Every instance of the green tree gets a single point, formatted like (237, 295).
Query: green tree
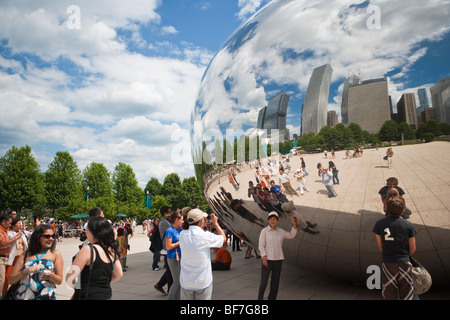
(125, 185)
(21, 182)
(62, 181)
(154, 187)
(356, 132)
(445, 128)
(97, 177)
(406, 130)
(173, 192)
(330, 138)
(389, 131)
(193, 194)
(158, 201)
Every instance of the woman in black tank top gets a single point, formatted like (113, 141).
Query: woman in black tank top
(96, 279)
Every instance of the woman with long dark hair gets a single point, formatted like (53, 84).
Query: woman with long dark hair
(40, 268)
(106, 267)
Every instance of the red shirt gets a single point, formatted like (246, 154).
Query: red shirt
(223, 256)
(4, 250)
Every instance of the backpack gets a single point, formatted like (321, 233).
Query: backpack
(156, 242)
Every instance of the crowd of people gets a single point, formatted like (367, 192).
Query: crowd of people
(31, 267)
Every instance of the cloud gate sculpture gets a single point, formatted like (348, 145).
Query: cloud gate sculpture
(284, 73)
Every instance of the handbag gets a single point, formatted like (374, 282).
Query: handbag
(421, 277)
(385, 157)
(10, 294)
(77, 293)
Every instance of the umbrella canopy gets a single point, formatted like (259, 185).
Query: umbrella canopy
(121, 215)
(80, 216)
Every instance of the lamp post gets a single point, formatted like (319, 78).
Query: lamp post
(148, 200)
(86, 195)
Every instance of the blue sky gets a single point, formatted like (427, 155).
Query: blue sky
(116, 88)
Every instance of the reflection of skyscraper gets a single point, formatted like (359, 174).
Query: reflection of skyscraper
(423, 102)
(314, 113)
(261, 115)
(351, 81)
(423, 98)
(406, 109)
(332, 118)
(368, 104)
(274, 115)
(440, 96)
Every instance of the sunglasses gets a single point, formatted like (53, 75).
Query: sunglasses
(48, 236)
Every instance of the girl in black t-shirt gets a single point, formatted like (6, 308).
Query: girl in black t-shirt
(396, 241)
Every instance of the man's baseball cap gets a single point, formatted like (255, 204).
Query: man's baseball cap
(195, 215)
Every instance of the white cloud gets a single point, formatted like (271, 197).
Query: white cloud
(169, 30)
(84, 90)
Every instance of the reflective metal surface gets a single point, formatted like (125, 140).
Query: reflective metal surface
(277, 76)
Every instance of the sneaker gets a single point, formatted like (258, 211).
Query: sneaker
(156, 269)
(161, 289)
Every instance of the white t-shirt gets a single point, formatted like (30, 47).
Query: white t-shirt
(195, 245)
(327, 180)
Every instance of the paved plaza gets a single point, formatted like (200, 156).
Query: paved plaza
(422, 171)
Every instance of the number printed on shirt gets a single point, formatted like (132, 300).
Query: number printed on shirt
(387, 236)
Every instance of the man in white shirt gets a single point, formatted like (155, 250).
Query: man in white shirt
(284, 180)
(327, 179)
(271, 249)
(195, 244)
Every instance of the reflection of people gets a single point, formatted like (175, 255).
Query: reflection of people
(327, 179)
(332, 168)
(396, 241)
(392, 182)
(300, 175)
(195, 243)
(270, 246)
(237, 206)
(304, 224)
(286, 182)
(389, 155)
(223, 259)
(276, 189)
(253, 191)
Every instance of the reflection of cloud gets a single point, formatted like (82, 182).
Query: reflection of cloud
(282, 44)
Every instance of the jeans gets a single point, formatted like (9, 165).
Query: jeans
(335, 177)
(156, 256)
